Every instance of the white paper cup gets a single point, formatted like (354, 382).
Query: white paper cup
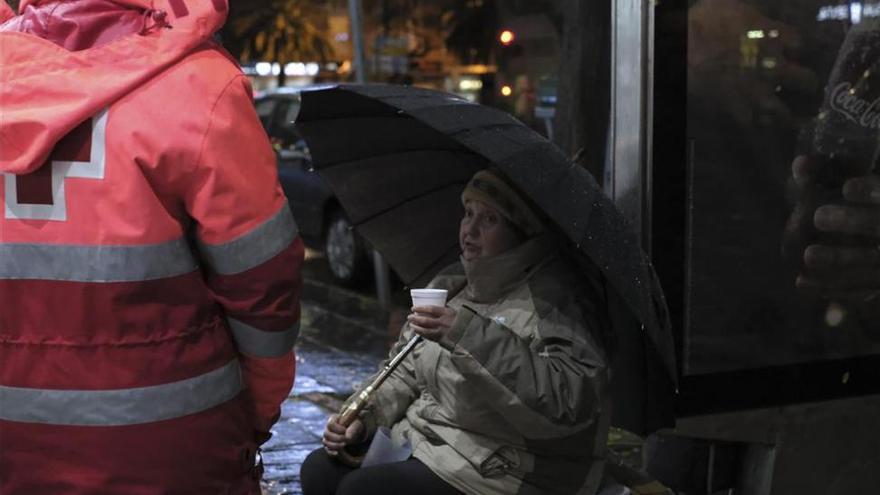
(428, 297)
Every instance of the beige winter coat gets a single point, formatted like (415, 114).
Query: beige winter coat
(511, 401)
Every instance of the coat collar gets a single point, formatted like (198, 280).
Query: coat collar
(491, 278)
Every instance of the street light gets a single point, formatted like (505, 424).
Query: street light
(506, 37)
(506, 90)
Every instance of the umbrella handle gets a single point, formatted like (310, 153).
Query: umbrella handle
(349, 412)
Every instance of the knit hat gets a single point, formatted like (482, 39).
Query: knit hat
(488, 187)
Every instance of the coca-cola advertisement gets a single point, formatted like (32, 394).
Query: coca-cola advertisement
(783, 229)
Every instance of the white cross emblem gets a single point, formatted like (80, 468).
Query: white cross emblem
(92, 169)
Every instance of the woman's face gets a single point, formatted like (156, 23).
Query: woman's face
(484, 232)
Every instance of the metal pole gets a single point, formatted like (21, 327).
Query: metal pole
(357, 36)
(380, 267)
(383, 280)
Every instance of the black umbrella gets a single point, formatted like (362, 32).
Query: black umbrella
(398, 158)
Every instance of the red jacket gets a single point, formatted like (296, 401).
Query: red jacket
(149, 264)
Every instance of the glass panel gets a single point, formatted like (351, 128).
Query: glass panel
(783, 268)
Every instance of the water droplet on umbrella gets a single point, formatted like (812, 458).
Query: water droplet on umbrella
(835, 314)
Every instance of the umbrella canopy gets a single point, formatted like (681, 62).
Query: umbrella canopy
(398, 158)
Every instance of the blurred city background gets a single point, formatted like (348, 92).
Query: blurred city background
(501, 53)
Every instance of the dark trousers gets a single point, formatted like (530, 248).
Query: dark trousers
(323, 475)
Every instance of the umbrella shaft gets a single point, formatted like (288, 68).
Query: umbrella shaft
(357, 402)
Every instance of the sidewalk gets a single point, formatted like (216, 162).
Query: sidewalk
(343, 338)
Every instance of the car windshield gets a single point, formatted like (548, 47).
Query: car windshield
(264, 108)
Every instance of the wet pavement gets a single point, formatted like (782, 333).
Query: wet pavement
(344, 336)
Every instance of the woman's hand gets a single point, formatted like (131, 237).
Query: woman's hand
(431, 322)
(336, 436)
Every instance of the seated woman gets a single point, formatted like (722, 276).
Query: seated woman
(507, 392)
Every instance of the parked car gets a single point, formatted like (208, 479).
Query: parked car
(321, 220)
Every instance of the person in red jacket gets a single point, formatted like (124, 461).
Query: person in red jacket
(149, 263)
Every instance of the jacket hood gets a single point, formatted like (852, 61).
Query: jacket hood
(6, 12)
(46, 90)
(175, 6)
(144, 4)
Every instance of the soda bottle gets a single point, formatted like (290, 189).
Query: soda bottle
(846, 130)
(842, 142)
